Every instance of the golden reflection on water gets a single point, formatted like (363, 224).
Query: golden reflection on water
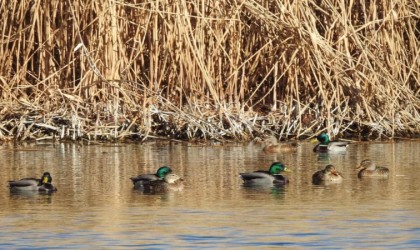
(96, 206)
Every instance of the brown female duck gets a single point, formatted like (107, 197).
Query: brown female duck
(328, 175)
(368, 168)
(273, 146)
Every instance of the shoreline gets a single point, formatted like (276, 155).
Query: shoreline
(64, 131)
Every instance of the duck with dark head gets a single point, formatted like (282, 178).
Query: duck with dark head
(171, 182)
(140, 180)
(263, 177)
(325, 145)
(44, 184)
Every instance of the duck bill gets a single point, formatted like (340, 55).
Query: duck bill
(45, 179)
(287, 170)
(314, 140)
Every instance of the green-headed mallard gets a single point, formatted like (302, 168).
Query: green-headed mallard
(325, 145)
(171, 182)
(270, 177)
(368, 168)
(328, 175)
(272, 146)
(33, 184)
(142, 179)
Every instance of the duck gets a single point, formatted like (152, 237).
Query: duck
(328, 175)
(140, 180)
(368, 168)
(272, 146)
(171, 182)
(270, 177)
(325, 145)
(34, 184)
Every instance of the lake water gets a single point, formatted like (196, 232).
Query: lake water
(95, 206)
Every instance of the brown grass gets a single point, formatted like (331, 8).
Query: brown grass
(223, 70)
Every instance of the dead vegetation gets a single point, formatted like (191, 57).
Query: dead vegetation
(222, 70)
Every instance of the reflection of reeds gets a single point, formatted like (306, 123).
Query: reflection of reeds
(210, 69)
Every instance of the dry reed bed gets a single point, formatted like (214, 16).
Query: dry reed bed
(224, 70)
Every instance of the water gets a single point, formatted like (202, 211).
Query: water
(96, 207)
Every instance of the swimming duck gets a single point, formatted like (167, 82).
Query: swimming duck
(270, 177)
(328, 175)
(368, 168)
(171, 182)
(272, 146)
(325, 145)
(33, 184)
(140, 180)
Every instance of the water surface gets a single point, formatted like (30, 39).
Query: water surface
(96, 207)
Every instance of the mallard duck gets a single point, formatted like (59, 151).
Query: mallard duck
(328, 175)
(171, 182)
(368, 168)
(270, 177)
(33, 184)
(272, 146)
(325, 145)
(140, 180)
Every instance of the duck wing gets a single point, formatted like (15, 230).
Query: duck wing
(339, 143)
(255, 175)
(338, 146)
(156, 186)
(25, 182)
(144, 178)
(382, 170)
(318, 177)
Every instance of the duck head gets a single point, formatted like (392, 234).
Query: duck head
(323, 138)
(163, 171)
(367, 164)
(277, 168)
(330, 169)
(271, 140)
(46, 178)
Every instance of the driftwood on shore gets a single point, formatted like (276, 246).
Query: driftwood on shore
(222, 70)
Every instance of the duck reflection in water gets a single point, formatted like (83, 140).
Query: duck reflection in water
(260, 192)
